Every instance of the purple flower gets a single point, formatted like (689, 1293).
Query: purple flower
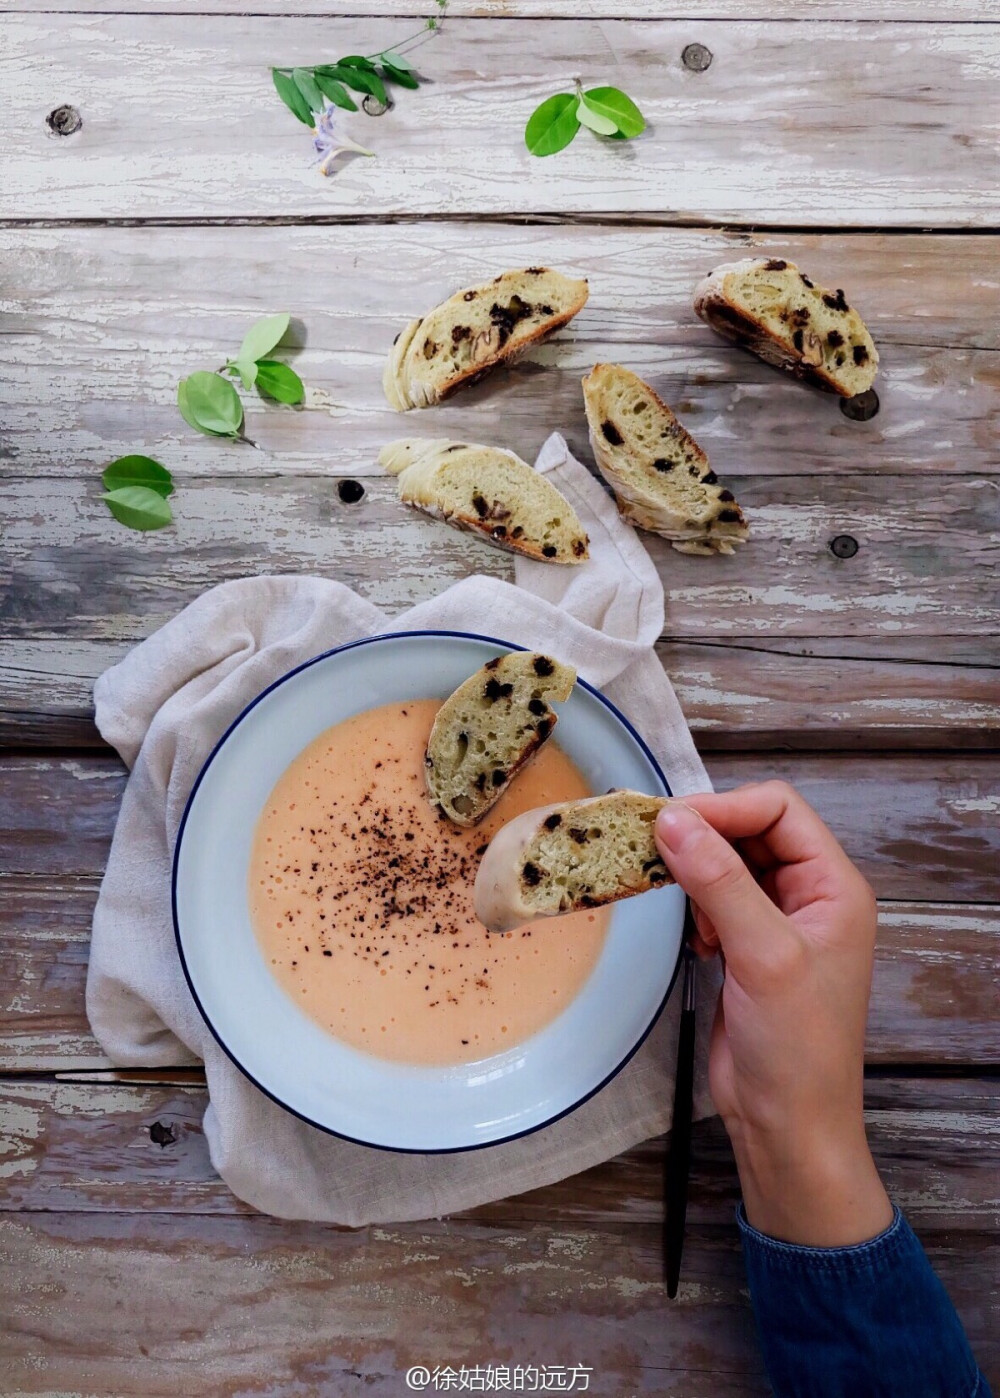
(329, 142)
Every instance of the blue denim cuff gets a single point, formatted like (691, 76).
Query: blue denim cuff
(878, 1254)
(867, 1321)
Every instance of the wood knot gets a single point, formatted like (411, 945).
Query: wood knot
(350, 492)
(696, 57)
(844, 546)
(373, 106)
(862, 407)
(161, 1134)
(63, 121)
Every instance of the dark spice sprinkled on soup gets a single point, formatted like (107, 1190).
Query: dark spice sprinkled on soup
(361, 898)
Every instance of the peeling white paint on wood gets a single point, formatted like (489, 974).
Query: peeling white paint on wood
(962, 805)
(179, 120)
(731, 695)
(99, 323)
(912, 10)
(218, 1302)
(98, 335)
(74, 571)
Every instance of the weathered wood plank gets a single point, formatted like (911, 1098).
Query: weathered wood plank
(98, 333)
(916, 11)
(44, 949)
(921, 829)
(71, 570)
(214, 140)
(220, 1306)
(755, 697)
(934, 998)
(918, 828)
(124, 1148)
(737, 697)
(936, 968)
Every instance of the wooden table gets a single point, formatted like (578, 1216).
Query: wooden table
(858, 139)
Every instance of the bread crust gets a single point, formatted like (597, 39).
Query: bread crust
(390, 375)
(646, 508)
(715, 307)
(406, 387)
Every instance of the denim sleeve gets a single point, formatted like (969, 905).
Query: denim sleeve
(870, 1321)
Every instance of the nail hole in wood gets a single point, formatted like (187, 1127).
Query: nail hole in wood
(161, 1134)
(373, 106)
(63, 121)
(696, 57)
(844, 546)
(350, 492)
(862, 407)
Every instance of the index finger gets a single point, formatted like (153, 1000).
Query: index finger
(774, 823)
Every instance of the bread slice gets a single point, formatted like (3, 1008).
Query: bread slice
(578, 854)
(476, 329)
(659, 474)
(490, 491)
(767, 305)
(489, 728)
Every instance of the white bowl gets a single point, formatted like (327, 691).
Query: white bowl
(285, 1053)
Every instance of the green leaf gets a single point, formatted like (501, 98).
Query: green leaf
(280, 382)
(403, 76)
(138, 470)
(553, 125)
(246, 369)
(182, 405)
(306, 84)
(357, 60)
(610, 102)
(210, 404)
(397, 60)
(363, 81)
(139, 507)
(596, 121)
(336, 91)
(262, 337)
(292, 97)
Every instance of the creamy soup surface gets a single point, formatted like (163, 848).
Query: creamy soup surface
(361, 899)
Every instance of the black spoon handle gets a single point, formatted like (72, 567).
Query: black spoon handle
(678, 1162)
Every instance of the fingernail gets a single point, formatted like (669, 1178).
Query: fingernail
(675, 825)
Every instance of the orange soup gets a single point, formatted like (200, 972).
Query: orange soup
(361, 899)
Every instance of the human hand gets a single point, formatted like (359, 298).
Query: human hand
(795, 924)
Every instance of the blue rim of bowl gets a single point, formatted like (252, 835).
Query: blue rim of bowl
(320, 1126)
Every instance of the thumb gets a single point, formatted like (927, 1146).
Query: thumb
(714, 877)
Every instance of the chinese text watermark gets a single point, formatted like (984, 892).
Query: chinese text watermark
(500, 1378)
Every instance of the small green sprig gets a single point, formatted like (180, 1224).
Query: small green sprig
(306, 91)
(607, 111)
(136, 490)
(253, 367)
(210, 403)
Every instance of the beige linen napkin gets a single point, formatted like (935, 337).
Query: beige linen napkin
(165, 706)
